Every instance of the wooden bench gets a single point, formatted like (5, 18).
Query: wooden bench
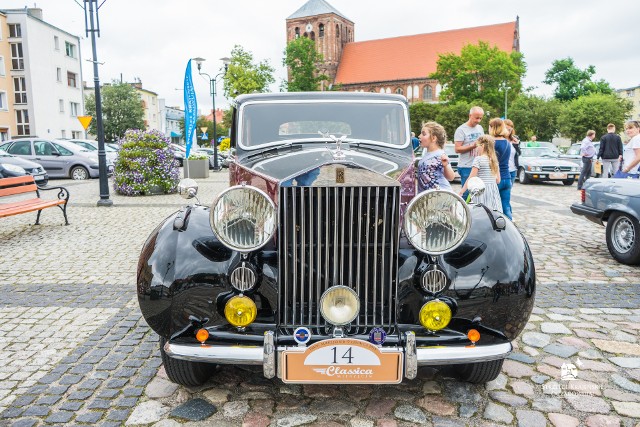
(26, 184)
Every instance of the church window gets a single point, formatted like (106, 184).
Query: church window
(297, 32)
(399, 91)
(427, 93)
(312, 35)
(409, 92)
(337, 31)
(321, 30)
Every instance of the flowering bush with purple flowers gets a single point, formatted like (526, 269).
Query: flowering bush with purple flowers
(145, 164)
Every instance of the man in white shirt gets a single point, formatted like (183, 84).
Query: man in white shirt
(465, 142)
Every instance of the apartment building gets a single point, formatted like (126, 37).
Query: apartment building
(632, 94)
(45, 75)
(150, 105)
(7, 116)
(170, 118)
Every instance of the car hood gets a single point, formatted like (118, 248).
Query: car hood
(544, 161)
(287, 166)
(23, 163)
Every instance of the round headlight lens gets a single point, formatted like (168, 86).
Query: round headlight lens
(243, 218)
(339, 305)
(435, 315)
(437, 221)
(240, 311)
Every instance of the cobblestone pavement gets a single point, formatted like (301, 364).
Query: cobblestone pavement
(75, 350)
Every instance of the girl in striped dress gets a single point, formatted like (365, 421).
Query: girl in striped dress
(485, 166)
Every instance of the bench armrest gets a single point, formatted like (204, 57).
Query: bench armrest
(63, 193)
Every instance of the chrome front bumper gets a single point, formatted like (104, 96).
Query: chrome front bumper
(265, 355)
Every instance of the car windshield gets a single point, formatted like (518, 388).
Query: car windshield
(269, 123)
(538, 152)
(4, 154)
(574, 149)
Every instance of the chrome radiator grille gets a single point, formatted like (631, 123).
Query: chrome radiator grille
(338, 236)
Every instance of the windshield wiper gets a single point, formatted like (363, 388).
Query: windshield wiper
(277, 150)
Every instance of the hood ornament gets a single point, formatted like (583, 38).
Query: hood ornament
(337, 154)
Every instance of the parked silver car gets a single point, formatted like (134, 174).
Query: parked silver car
(616, 202)
(61, 159)
(92, 145)
(573, 155)
(541, 164)
(11, 166)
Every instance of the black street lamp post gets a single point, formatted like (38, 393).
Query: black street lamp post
(212, 88)
(91, 12)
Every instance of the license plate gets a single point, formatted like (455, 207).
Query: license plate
(557, 175)
(38, 178)
(342, 361)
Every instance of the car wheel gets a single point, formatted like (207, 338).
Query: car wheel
(79, 173)
(184, 372)
(568, 181)
(481, 372)
(522, 177)
(623, 238)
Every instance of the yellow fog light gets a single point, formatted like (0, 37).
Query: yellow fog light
(240, 311)
(435, 315)
(339, 305)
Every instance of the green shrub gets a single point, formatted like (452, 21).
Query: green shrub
(197, 156)
(145, 164)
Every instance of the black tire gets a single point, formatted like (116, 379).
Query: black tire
(623, 238)
(184, 372)
(481, 372)
(79, 173)
(522, 177)
(568, 181)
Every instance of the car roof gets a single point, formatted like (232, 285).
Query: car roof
(310, 96)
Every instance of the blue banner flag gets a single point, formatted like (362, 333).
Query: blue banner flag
(190, 108)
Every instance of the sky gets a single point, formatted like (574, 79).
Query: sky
(153, 39)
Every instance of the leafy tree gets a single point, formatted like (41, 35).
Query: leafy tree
(593, 111)
(243, 76)
(572, 82)
(301, 59)
(421, 112)
(121, 110)
(453, 115)
(202, 122)
(534, 115)
(478, 73)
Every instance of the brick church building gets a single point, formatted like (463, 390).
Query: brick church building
(392, 65)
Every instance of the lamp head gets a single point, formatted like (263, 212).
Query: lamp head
(226, 61)
(199, 62)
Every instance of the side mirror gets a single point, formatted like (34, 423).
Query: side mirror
(188, 188)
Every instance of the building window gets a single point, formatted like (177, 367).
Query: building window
(63, 133)
(399, 91)
(297, 32)
(59, 74)
(321, 30)
(3, 101)
(312, 35)
(17, 59)
(70, 49)
(20, 90)
(144, 104)
(61, 105)
(76, 134)
(71, 79)
(3, 72)
(337, 31)
(22, 120)
(56, 43)
(427, 93)
(15, 30)
(74, 108)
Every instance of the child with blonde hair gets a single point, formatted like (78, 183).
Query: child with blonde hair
(434, 170)
(485, 166)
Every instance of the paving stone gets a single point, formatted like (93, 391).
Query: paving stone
(147, 412)
(602, 421)
(410, 413)
(547, 404)
(36, 411)
(467, 410)
(554, 328)
(497, 413)
(528, 418)
(194, 410)
(536, 339)
(539, 379)
(293, 420)
(588, 403)
(159, 388)
(498, 384)
(522, 388)
(625, 383)
(562, 420)
(508, 398)
(516, 369)
(25, 422)
(626, 362)
(379, 408)
(71, 405)
(90, 417)
(521, 358)
(235, 409)
(627, 409)
(617, 347)
(621, 396)
(59, 417)
(560, 350)
(332, 407)
(437, 405)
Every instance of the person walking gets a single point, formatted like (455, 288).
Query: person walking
(434, 170)
(610, 151)
(465, 142)
(415, 142)
(485, 166)
(631, 156)
(515, 150)
(587, 151)
(498, 130)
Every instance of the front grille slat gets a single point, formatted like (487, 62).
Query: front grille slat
(338, 236)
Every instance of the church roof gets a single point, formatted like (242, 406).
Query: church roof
(415, 56)
(315, 7)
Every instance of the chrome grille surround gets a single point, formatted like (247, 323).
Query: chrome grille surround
(434, 281)
(332, 236)
(556, 168)
(243, 278)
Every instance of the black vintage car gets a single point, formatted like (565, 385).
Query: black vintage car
(323, 265)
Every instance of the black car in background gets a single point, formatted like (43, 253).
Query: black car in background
(11, 166)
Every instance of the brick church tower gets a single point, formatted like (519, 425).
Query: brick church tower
(330, 30)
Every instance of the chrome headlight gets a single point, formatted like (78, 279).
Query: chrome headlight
(339, 305)
(13, 168)
(243, 218)
(437, 221)
(575, 169)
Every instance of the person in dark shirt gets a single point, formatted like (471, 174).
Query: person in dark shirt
(415, 142)
(610, 151)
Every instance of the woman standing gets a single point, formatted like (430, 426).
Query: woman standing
(498, 130)
(515, 150)
(631, 153)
